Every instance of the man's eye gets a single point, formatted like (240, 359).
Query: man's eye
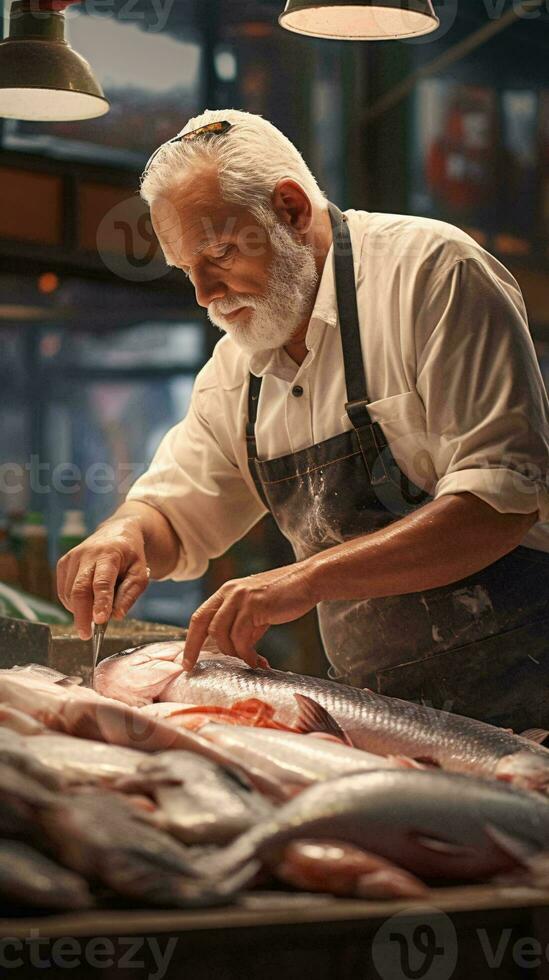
(224, 253)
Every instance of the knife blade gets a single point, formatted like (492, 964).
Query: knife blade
(98, 635)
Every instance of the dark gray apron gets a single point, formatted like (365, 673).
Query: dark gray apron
(478, 646)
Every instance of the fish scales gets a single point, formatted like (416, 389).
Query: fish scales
(441, 824)
(379, 724)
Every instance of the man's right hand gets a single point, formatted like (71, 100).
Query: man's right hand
(87, 576)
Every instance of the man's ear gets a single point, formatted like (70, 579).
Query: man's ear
(292, 205)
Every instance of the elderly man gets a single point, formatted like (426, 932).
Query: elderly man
(377, 391)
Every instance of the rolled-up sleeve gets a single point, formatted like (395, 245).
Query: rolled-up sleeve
(198, 487)
(487, 414)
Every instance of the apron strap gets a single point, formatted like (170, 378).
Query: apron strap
(376, 453)
(353, 361)
(254, 388)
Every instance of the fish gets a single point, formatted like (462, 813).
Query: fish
(196, 799)
(199, 801)
(251, 712)
(20, 722)
(374, 722)
(21, 797)
(102, 837)
(81, 761)
(86, 714)
(137, 675)
(292, 761)
(431, 823)
(14, 752)
(344, 870)
(28, 878)
(41, 672)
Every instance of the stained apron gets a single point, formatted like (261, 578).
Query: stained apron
(478, 646)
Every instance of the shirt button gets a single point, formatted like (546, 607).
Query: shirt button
(297, 391)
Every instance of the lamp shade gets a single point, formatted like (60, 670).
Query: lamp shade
(41, 77)
(363, 20)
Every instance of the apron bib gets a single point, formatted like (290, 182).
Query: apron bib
(439, 645)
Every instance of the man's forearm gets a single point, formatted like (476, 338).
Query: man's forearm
(443, 542)
(161, 541)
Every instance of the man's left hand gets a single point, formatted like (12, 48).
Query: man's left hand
(241, 611)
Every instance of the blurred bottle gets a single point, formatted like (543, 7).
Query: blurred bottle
(73, 531)
(35, 572)
(9, 566)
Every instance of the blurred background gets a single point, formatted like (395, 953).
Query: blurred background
(100, 343)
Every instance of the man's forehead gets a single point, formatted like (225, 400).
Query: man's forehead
(191, 226)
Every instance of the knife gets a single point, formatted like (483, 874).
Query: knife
(98, 635)
(99, 629)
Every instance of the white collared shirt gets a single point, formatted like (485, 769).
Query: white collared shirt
(451, 374)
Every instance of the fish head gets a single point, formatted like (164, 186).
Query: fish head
(137, 676)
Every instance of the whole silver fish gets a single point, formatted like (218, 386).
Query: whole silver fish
(103, 838)
(81, 761)
(21, 798)
(199, 802)
(86, 714)
(378, 724)
(431, 823)
(292, 761)
(29, 878)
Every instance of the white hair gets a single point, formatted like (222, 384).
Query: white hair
(250, 159)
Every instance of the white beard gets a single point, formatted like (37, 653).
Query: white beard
(274, 318)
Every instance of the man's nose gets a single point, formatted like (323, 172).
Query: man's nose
(208, 286)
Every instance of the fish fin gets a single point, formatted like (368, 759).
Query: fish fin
(436, 845)
(510, 846)
(389, 883)
(313, 717)
(539, 735)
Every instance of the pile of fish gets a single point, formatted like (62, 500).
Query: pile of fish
(182, 790)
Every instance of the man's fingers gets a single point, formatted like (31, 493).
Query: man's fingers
(104, 580)
(81, 601)
(61, 576)
(72, 569)
(244, 636)
(220, 628)
(198, 631)
(135, 582)
(232, 630)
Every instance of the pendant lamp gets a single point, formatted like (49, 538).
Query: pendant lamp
(363, 20)
(41, 77)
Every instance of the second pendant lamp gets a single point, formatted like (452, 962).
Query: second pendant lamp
(363, 20)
